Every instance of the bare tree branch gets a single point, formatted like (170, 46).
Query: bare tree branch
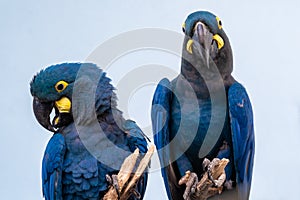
(127, 179)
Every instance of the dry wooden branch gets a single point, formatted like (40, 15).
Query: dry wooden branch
(211, 182)
(141, 168)
(125, 175)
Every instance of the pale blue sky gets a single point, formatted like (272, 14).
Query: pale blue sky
(264, 37)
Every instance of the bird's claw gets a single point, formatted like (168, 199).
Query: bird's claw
(209, 184)
(205, 164)
(210, 165)
(210, 177)
(190, 180)
(113, 181)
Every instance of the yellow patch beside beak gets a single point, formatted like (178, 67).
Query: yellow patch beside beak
(219, 40)
(63, 105)
(189, 46)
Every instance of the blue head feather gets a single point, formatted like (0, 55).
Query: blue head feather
(205, 17)
(42, 85)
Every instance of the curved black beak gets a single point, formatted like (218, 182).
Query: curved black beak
(203, 35)
(204, 38)
(42, 111)
(206, 45)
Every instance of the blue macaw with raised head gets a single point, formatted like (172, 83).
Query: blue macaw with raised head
(204, 113)
(91, 138)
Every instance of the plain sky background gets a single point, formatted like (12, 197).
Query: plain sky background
(265, 40)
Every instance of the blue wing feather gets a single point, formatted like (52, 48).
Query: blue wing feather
(160, 115)
(52, 167)
(136, 139)
(241, 118)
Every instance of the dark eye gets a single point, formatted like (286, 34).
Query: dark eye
(219, 22)
(61, 85)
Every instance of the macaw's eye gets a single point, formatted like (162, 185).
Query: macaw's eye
(219, 22)
(61, 86)
(183, 27)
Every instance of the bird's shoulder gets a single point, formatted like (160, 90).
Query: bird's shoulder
(136, 137)
(239, 101)
(54, 153)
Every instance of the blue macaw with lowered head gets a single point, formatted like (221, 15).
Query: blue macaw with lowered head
(91, 138)
(204, 113)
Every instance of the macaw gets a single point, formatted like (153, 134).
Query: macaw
(204, 112)
(91, 138)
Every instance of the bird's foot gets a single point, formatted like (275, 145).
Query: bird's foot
(211, 182)
(210, 168)
(190, 180)
(113, 181)
(215, 171)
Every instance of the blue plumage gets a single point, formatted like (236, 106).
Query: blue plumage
(241, 119)
(52, 167)
(89, 142)
(204, 112)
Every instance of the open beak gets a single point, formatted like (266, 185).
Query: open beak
(42, 111)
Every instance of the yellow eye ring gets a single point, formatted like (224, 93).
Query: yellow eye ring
(61, 86)
(219, 22)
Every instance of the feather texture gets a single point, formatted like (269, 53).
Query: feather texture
(204, 112)
(97, 140)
